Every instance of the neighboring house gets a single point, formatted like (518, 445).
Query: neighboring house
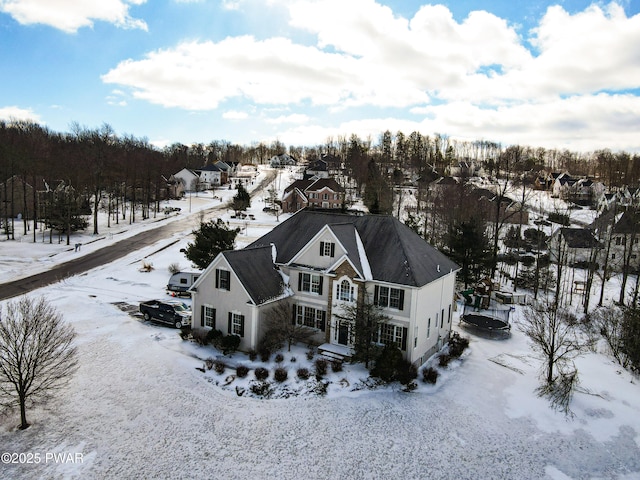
(243, 174)
(225, 171)
(313, 193)
(317, 169)
(585, 192)
(16, 198)
(189, 179)
(572, 246)
(210, 176)
(331, 261)
(282, 160)
(624, 241)
(562, 185)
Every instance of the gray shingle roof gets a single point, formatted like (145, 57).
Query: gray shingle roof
(255, 270)
(395, 253)
(579, 238)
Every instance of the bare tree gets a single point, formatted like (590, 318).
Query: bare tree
(609, 322)
(281, 327)
(557, 339)
(37, 355)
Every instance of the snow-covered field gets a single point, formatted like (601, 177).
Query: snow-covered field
(139, 407)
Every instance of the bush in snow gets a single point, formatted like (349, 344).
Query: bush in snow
(213, 336)
(230, 343)
(293, 359)
(430, 375)
(265, 354)
(242, 371)
(209, 363)
(457, 344)
(321, 367)
(444, 359)
(336, 366)
(219, 366)
(406, 372)
(387, 363)
(199, 335)
(303, 373)
(310, 354)
(279, 358)
(280, 374)
(253, 355)
(261, 373)
(174, 268)
(260, 388)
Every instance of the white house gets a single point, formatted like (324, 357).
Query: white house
(210, 176)
(188, 178)
(322, 262)
(571, 246)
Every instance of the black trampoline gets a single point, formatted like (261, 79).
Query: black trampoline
(488, 319)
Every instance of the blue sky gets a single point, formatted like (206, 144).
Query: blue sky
(562, 74)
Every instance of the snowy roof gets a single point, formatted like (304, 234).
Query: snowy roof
(255, 269)
(394, 252)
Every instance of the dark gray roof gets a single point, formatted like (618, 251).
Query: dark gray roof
(579, 238)
(628, 224)
(255, 270)
(396, 253)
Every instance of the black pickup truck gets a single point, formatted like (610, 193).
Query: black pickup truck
(173, 312)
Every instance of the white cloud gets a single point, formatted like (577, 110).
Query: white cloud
(296, 118)
(235, 115)
(475, 78)
(11, 113)
(71, 15)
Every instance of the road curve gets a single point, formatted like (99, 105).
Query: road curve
(109, 253)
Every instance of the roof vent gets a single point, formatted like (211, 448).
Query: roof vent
(438, 268)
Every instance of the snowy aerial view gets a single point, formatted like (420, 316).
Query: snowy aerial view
(320, 239)
(143, 404)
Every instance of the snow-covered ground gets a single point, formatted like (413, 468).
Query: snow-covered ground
(140, 408)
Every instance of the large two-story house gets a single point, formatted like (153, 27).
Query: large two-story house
(313, 193)
(320, 264)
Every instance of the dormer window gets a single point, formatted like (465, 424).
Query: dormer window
(327, 249)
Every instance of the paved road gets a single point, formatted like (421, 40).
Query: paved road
(109, 253)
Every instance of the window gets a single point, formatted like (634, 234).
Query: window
(310, 317)
(392, 335)
(428, 328)
(183, 281)
(309, 282)
(613, 256)
(345, 291)
(208, 316)
(223, 279)
(327, 249)
(442, 319)
(618, 241)
(325, 196)
(388, 297)
(236, 324)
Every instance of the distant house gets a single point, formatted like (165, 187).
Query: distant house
(321, 263)
(313, 193)
(282, 160)
(317, 169)
(562, 185)
(210, 176)
(225, 171)
(243, 174)
(624, 241)
(572, 246)
(189, 179)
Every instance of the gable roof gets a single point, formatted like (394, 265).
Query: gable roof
(394, 252)
(255, 269)
(627, 224)
(579, 238)
(314, 184)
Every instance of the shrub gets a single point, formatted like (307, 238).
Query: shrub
(303, 373)
(336, 366)
(406, 372)
(293, 359)
(280, 374)
(185, 333)
(457, 344)
(199, 335)
(321, 367)
(230, 343)
(265, 354)
(279, 358)
(253, 355)
(310, 354)
(209, 363)
(444, 359)
(242, 371)
(387, 363)
(174, 268)
(260, 388)
(430, 375)
(219, 366)
(213, 336)
(261, 373)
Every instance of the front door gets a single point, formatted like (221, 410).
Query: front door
(343, 334)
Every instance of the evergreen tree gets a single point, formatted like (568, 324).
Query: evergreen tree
(211, 238)
(469, 247)
(242, 199)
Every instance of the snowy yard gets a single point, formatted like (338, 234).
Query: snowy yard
(139, 407)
